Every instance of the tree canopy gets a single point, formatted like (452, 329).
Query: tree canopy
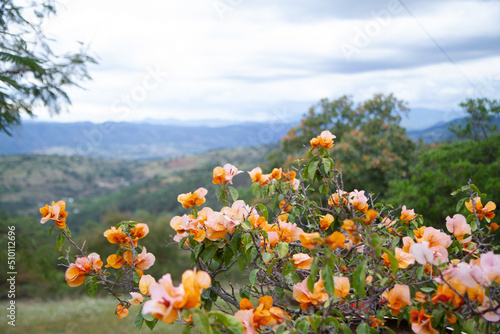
(32, 75)
(370, 145)
(482, 119)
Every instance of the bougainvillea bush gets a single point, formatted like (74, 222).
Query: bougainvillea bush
(341, 264)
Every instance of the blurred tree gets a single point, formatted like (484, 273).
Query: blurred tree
(439, 171)
(371, 147)
(481, 121)
(31, 74)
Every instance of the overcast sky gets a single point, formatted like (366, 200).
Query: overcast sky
(270, 60)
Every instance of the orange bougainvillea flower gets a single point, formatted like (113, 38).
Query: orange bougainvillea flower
(397, 298)
(116, 236)
(76, 272)
(370, 216)
(114, 261)
(376, 322)
(225, 174)
(404, 258)
(121, 311)
(407, 214)
(446, 294)
(142, 262)
(190, 200)
(352, 230)
(256, 174)
(193, 282)
(486, 211)
(219, 175)
(335, 240)
(459, 227)
(325, 139)
(302, 261)
(276, 173)
(145, 282)
(326, 221)
(267, 315)
(137, 299)
(421, 297)
(140, 230)
(55, 213)
(335, 199)
(342, 286)
(494, 226)
(358, 200)
(307, 298)
(421, 322)
(311, 240)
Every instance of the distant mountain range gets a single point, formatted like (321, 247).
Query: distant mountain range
(150, 140)
(136, 141)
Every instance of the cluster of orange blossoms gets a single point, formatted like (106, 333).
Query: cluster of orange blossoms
(264, 315)
(277, 174)
(56, 213)
(167, 300)
(325, 139)
(117, 236)
(486, 211)
(307, 298)
(77, 272)
(190, 200)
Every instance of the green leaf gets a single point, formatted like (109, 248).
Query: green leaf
(263, 210)
(139, 320)
(182, 242)
(358, 280)
(327, 276)
(303, 326)
(230, 323)
(201, 321)
(255, 187)
(91, 286)
(345, 329)
(135, 277)
(392, 259)
(234, 193)
(311, 280)
(267, 257)
(427, 289)
(253, 276)
(60, 241)
(324, 189)
(327, 164)
(209, 252)
(151, 324)
(282, 249)
(420, 272)
(460, 203)
(247, 225)
(218, 192)
(312, 169)
(364, 329)
(51, 228)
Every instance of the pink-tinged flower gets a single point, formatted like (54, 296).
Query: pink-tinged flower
(95, 261)
(246, 318)
(190, 200)
(358, 200)
(302, 261)
(287, 232)
(137, 299)
(307, 298)
(342, 286)
(230, 172)
(404, 258)
(459, 227)
(295, 184)
(421, 322)
(165, 300)
(143, 261)
(423, 254)
(492, 316)
(397, 298)
(325, 139)
(216, 226)
(436, 238)
(469, 275)
(490, 264)
(407, 242)
(237, 214)
(56, 213)
(145, 283)
(256, 174)
(407, 214)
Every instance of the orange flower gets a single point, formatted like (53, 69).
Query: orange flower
(421, 322)
(142, 262)
(335, 240)
(267, 315)
(302, 261)
(193, 282)
(445, 294)
(76, 272)
(121, 311)
(311, 240)
(404, 258)
(256, 174)
(358, 200)
(144, 284)
(486, 211)
(342, 286)
(326, 221)
(246, 304)
(421, 297)
(287, 232)
(459, 227)
(165, 300)
(325, 139)
(397, 298)
(352, 231)
(55, 213)
(137, 299)
(285, 206)
(376, 322)
(116, 236)
(370, 216)
(276, 174)
(190, 200)
(494, 226)
(140, 230)
(334, 199)
(219, 175)
(407, 214)
(307, 298)
(115, 261)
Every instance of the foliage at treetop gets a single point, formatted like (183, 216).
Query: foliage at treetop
(353, 264)
(32, 75)
(482, 119)
(371, 146)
